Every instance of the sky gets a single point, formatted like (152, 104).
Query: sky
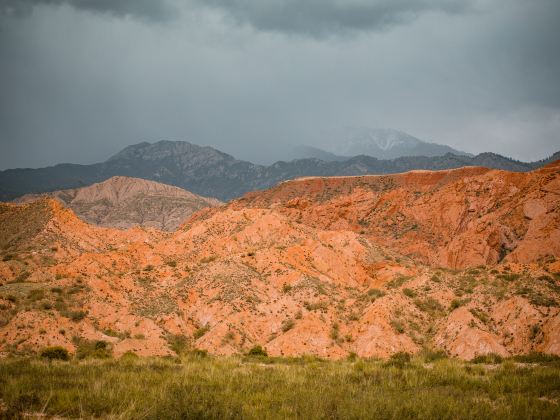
(82, 79)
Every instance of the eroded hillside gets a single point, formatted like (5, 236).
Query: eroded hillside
(463, 260)
(124, 202)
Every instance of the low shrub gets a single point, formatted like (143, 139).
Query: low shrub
(457, 303)
(429, 305)
(286, 288)
(488, 359)
(201, 331)
(509, 276)
(129, 356)
(55, 353)
(536, 357)
(430, 355)
(287, 325)
(397, 282)
(335, 331)
(399, 359)
(199, 353)
(375, 293)
(77, 315)
(409, 293)
(257, 351)
(178, 343)
(92, 349)
(397, 325)
(36, 294)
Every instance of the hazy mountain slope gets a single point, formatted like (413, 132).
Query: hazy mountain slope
(124, 202)
(211, 173)
(384, 143)
(305, 152)
(323, 266)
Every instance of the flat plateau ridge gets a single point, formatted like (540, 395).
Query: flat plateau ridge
(462, 260)
(124, 202)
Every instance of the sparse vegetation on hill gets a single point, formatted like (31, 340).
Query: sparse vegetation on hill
(324, 267)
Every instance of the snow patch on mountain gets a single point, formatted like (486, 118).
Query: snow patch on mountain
(382, 143)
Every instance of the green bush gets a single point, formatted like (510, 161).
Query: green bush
(335, 331)
(287, 325)
(75, 316)
(286, 288)
(397, 325)
(429, 305)
(509, 276)
(129, 356)
(178, 343)
(92, 349)
(257, 351)
(200, 332)
(199, 353)
(399, 359)
(35, 294)
(55, 353)
(536, 357)
(409, 293)
(432, 355)
(375, 293)
(398, 282)
(22, 277)
(456, 303)
(488, 359)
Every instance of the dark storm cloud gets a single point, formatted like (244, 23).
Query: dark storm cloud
(81, 80)
(146, 9)
(320, 18)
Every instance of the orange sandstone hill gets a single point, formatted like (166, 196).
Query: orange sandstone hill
(123, 202)
(464, 260)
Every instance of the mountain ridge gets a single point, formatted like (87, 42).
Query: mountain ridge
(209, 172)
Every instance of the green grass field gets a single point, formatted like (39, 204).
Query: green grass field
(264, 388)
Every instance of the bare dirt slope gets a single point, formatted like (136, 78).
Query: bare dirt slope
(464, 260)
(123, 202)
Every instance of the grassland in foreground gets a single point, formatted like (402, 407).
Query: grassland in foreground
(260, 388)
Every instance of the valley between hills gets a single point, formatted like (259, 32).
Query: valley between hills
(463, 261)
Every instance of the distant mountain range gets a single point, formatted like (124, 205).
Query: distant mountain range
(211, 173)
(381, 143)
(123, 202)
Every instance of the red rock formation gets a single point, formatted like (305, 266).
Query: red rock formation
(463, 260)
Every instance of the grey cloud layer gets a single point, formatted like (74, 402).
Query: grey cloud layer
(145, 9)
(320, 18)
(316, 18)
(78, 84)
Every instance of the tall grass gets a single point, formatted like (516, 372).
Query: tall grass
(264, 388)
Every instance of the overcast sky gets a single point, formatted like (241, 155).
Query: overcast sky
(81, 79)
